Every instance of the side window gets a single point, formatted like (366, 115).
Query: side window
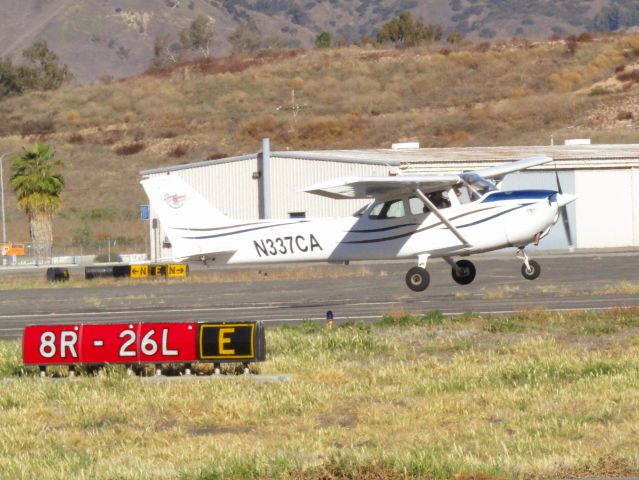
(391, 209)
(416, 206)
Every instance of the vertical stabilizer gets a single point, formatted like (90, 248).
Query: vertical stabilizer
(181, 211)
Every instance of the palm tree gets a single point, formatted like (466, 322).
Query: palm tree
(38, 188)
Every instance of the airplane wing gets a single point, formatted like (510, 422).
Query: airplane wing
(382, 187)
(386, 187)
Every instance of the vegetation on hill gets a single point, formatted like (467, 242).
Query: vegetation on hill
(106, 38)
(500, 93)
(41, 72)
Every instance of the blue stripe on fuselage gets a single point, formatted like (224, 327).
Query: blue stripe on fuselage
(518, 195)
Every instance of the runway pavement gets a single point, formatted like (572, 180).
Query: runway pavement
(583, 280)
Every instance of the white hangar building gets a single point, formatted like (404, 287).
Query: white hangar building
(267, 184)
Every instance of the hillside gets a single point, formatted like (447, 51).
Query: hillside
(358, 97)
(99, 38)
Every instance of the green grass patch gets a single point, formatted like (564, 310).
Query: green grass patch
(404, 320)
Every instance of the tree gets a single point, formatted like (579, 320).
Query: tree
(38, 187)
(199, 36)
(246, 38)
(454, 37)
(42, 73)
(164, 51)
(406, 32)
(10, 83)
(323, 40)
(47, 74)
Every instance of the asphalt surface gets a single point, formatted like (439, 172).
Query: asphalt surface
(568, 281)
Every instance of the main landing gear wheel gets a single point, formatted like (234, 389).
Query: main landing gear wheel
(532, 272)
(417, 279)
(464, 272)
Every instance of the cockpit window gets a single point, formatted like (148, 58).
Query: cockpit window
(390, 209)
(478, 184)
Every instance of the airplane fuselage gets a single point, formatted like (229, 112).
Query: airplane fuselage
(497, 220)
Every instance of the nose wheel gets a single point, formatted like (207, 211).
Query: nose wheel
(417, 279)
(531, 271)
(531, 268)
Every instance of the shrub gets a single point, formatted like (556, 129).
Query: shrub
(623, 115)
(129, 148)
(216, 156)
(631, 76)
(267, 126)
(323, 40)
(37, 127)
(584, 37)
(76, 138)
(179, 150)
(598, 91)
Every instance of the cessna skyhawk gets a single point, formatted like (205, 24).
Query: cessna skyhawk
(417, 216)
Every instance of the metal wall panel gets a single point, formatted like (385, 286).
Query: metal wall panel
(635, 206)
(605, 208)
(228, 186)
(288, 176)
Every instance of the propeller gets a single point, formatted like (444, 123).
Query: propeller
(563, 211)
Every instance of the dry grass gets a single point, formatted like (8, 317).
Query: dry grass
(623, 288)
(466, 398)
(504, 291)
(216, 275)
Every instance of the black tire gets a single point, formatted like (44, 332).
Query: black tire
(57, 274)
(465, 272)
(417, 279)
(535, 270)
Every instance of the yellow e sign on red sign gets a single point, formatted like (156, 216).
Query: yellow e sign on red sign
(231, 341)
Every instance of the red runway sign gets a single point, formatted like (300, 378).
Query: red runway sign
(142, 343)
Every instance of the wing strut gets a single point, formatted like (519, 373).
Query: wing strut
(431, 206)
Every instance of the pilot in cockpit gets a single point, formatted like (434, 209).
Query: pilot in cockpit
(438, 199)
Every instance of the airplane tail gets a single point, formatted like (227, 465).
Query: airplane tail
(182, 211)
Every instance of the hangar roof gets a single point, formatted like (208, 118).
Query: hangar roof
(457, 159)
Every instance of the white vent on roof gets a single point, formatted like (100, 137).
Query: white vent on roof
(577, 141)
(405, 146)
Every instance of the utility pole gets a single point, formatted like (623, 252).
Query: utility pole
(4, 227)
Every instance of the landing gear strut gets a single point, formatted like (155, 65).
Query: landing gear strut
(530, 269)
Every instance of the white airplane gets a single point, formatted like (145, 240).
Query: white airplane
(416, 216)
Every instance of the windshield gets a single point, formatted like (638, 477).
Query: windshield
(478, 184)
